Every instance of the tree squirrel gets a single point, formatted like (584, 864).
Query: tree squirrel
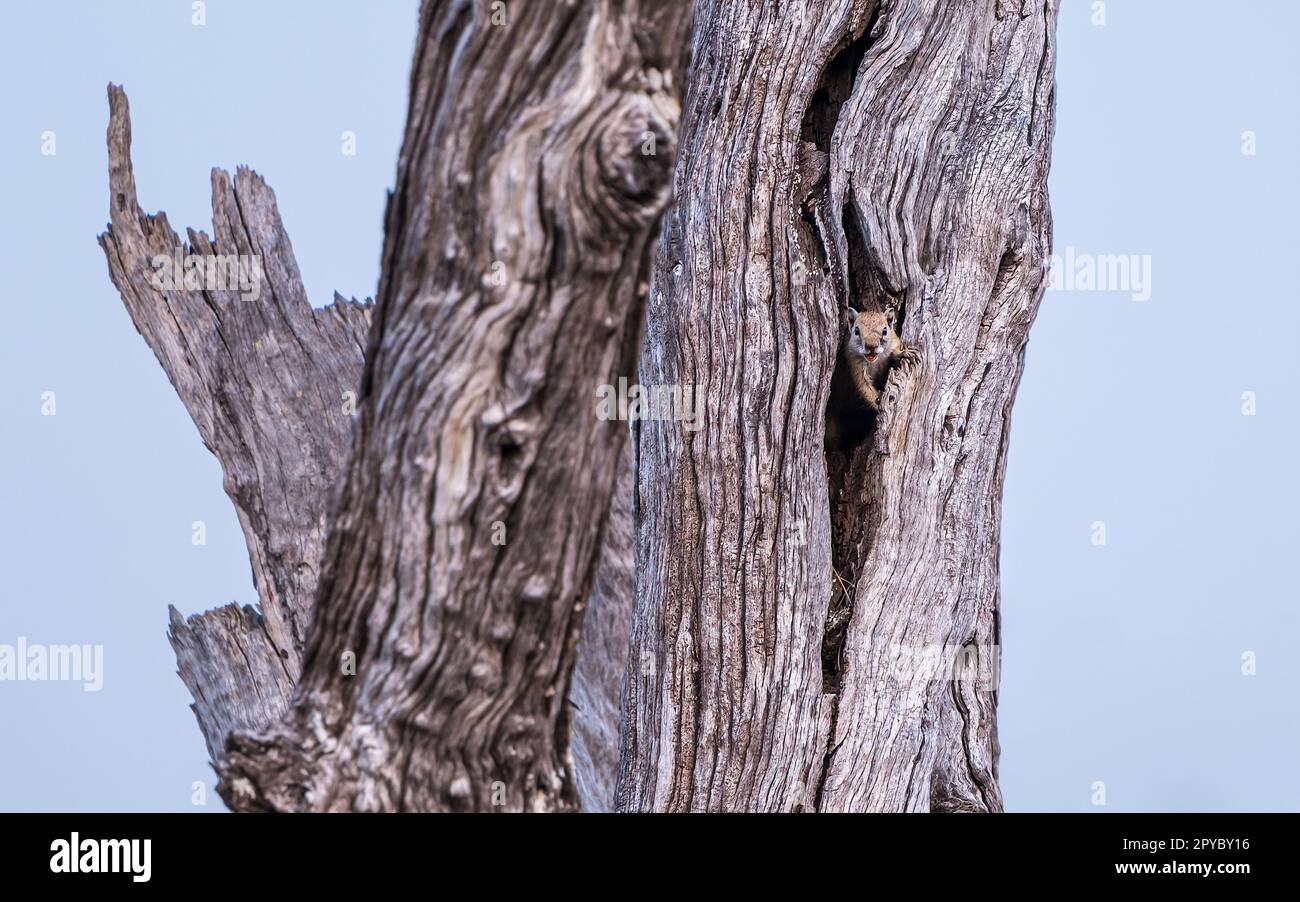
(869, 350)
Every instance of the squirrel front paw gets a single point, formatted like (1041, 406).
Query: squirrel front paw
(908, 357)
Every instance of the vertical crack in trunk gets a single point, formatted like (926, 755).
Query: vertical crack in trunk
(844, 254)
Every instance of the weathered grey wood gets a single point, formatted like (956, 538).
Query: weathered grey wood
(515, 258)
(888, 154)
(233, 671)
(923, 126)
(602, 653)
(264, 381)
(271, 383)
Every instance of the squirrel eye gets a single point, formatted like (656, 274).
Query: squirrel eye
(855, 332)
(884, 331)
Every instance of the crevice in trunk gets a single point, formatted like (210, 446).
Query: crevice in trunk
(817, 129)
(842, 250)
(836, 86)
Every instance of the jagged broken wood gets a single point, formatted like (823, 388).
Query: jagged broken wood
(266, 382)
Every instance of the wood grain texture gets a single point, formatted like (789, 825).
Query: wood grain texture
(602, 653)
(887, 155)
(263, 380)
(469, 525)
(271, 382)
(232, 669)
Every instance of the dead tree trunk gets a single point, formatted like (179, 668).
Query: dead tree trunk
(471, 516)
(797, 624)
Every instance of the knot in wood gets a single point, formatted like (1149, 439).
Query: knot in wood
(627, 167)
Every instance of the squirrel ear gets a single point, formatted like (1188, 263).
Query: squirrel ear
(853, 314)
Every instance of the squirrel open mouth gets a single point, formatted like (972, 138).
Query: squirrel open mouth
(872, 355)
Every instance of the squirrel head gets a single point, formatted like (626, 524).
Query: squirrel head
(871, 335)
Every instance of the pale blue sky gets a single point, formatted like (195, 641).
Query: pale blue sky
(1121, 663)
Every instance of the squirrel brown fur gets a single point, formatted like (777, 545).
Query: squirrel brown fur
(869, 349)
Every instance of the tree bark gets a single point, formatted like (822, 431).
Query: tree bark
(801, 619)
(558, 175)
(471, 515)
